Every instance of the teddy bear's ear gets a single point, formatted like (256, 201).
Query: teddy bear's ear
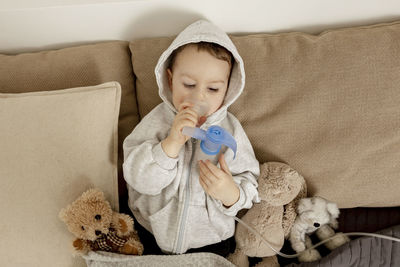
(93, 194)
(333, 210)
(63, 214)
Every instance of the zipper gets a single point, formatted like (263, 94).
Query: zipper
(186, 200)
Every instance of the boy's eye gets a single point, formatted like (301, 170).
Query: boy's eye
(213, 89)
(189, 85)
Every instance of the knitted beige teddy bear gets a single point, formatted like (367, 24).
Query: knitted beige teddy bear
(280, 188)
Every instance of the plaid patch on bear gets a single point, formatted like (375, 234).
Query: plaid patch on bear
(109, 242)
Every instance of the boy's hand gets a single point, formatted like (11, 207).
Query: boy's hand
(185, 117)
(218, 182)
(175, 140)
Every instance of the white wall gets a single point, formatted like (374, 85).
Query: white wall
(31, 25)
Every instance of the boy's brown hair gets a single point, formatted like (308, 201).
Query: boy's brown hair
(214, 49)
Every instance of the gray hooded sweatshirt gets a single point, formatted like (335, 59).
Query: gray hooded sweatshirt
(165, 195)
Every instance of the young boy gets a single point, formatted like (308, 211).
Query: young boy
(177, 192)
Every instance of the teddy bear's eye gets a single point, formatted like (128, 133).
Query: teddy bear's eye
(83, 228)
(97, 217)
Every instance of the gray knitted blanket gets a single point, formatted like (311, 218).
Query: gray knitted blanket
(106, 259)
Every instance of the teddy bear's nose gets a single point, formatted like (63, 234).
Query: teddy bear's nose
(97, 232)
(316, 224)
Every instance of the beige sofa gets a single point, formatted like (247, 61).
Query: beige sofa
(327, 105)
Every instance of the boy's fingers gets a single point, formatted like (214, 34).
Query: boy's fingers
(188, 122)
(187, 113)
(205, 187)
(189, 116)
(222, 163)
(202, 175)
(190, 112)
(184, 105)
(182, 122)
(206, 181)
(185, 109)
(206, 171)
(214, 170)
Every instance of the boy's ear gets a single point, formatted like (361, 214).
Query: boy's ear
(169, 74)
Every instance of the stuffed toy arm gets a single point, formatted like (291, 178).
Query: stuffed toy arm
(334, 224)
(290, 213)
(81, 246)
(122, 223)
(297, 237)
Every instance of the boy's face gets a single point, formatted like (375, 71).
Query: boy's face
(198, 74)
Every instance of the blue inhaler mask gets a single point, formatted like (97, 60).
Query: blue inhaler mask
(212, 139)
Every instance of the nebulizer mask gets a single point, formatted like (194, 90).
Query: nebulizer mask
(212, 140)
(214, 137)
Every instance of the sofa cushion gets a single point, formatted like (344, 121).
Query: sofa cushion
(54, 146)
(325, 104)
(84, 65)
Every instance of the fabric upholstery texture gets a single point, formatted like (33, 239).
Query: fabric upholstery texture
(84, 65)
(325, 104)
(54, 146)
(105, 259)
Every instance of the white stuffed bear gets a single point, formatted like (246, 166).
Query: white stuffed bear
(315, 214)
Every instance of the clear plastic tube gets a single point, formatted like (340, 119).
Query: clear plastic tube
(251, 229)
(194, 132)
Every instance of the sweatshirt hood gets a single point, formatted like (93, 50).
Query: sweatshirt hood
(202, 31)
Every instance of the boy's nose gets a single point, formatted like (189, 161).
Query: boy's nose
(199, 96)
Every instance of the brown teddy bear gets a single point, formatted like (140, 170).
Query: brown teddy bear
(97, 227)
(280, 188)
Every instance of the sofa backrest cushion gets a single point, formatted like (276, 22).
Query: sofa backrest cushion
(84, 65)
(327, 105)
